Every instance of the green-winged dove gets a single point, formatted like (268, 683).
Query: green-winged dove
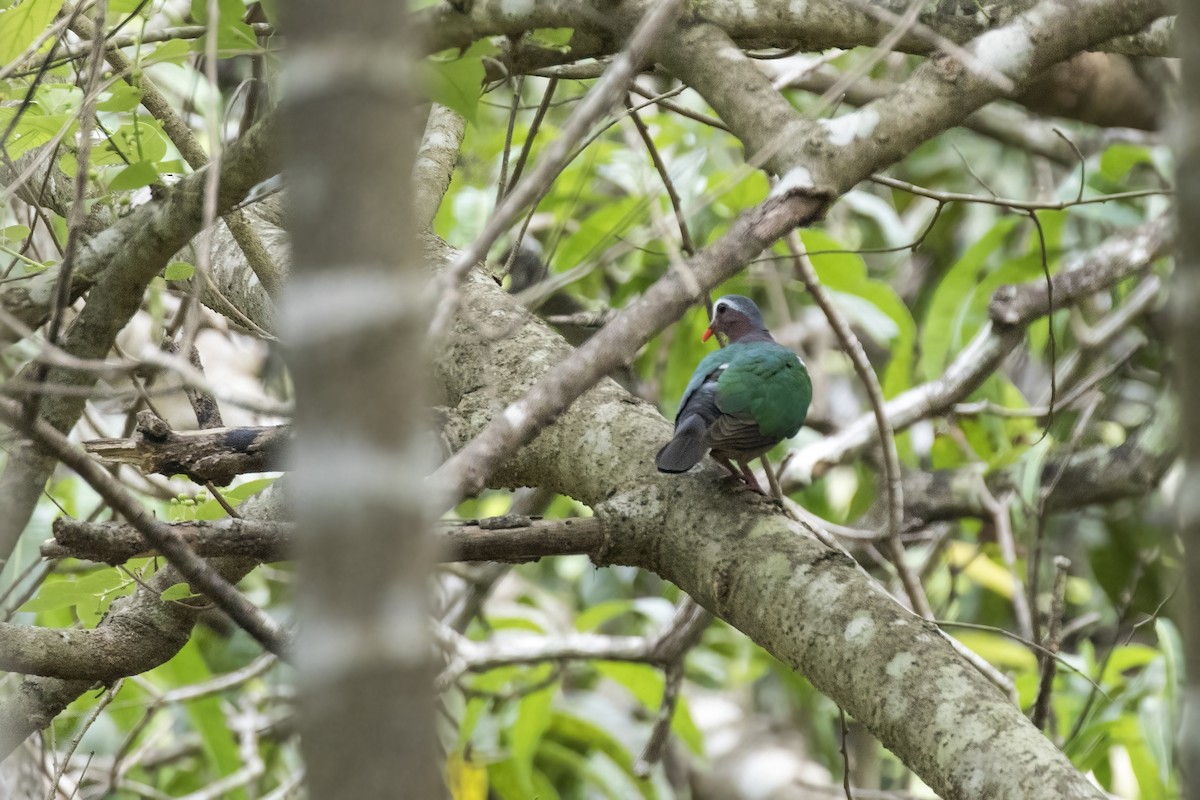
(742, 400)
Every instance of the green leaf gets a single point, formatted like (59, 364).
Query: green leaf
(188, 668)
(1119, 159)
(943, 325)
(579, 733)
(60, 98)
(34, 129)
(135, 176)
(552, 38)
(211, 509)
(601, 613)
(56, 594)
(846, 275)
(457, 83)
(14, 234)
(533, 717)
(173, 52)
(21, 24)
(597, 230)
(121, 97)
(179, 271)
(999, 650)
(646, 684)
(179, 591)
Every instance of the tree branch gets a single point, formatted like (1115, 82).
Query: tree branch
(503, 539)
(200, 576)
(741, 559)
(120, 262)
(1095, 475)
(823, 24)
(827, 159)
(215, 454)
(1118, 257)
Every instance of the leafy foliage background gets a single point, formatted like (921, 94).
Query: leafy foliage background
(915, 278)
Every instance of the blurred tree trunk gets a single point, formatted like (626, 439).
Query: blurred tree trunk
(352, 315)
(1187, 278)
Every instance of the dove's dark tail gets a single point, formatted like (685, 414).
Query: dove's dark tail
(686, 449)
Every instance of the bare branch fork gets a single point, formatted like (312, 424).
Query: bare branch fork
(199, 574)
(503, 539)
(802, 196)
(887, 438)
(1012, 309)
(600, 99)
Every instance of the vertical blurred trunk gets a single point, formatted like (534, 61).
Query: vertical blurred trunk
(354, 323)
(1187, 357)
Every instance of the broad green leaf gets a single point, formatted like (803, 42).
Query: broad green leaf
(179, 271)
(943, 324)
(178, 591)
(646, 684)
(998, 650)
(457, 83)
(121, 97)
(14, 234)
(34, 129)
(233, 35)
(476, 706)
(211, 509)
(601, 613)
(533, 717)
(1119, 159)
(597, 230)
(135, 176)
(21, 24)
(582, 734)
(56, 594)
(846, 274)
(979, 568)
(174, 51)
(1125, 658)
(188, 668)
(59, 98)
(551, 38)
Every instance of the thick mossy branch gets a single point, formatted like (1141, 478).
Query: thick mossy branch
(762, 572)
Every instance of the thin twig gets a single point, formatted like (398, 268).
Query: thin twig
(1006, 202)
(685, 237)
(534, 126)
(193, 569)
(1041, 709)
(502, 184)
(887, 439)
(1002, 522)
(87, 723)
(672, 644)
(845, 756)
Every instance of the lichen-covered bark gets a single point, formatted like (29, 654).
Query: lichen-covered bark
(811, 24)
(759, 570)
(121, 261)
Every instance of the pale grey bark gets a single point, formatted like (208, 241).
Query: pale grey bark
(120, 262)
(762, 572)
(354, 322)
(813, 24)
(139, 633)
